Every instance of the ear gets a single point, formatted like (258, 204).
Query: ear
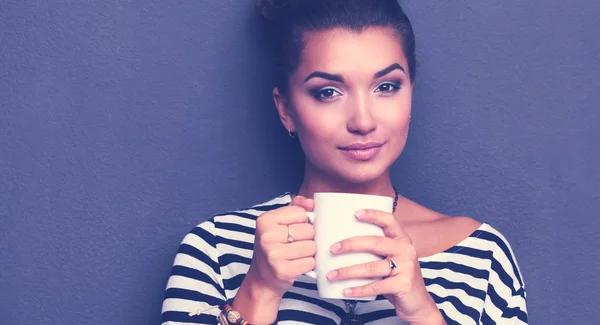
(284, 110)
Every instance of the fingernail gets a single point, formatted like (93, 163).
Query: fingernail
(332, 275)
(335, 247)
(347, 292)
(360, 213)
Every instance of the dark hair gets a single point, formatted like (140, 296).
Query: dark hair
(286, 21)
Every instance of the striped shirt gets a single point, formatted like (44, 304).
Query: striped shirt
(476, 281)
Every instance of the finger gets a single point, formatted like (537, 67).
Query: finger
(303, 265)
(382, 287)
(298, 232)
(387, 221)
(375, 269)
(299, 249)
(378, 245)
(301, 201)
(290, 215)
(295, 199)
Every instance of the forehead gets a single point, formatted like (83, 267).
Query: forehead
(346, 52)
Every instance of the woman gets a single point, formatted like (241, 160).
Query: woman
(346, 70)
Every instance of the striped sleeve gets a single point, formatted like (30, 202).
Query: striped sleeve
(195, 289)
(505, 301)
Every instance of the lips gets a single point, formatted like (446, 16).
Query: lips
(362, 146)
(362, 151)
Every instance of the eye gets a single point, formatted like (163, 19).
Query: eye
(325, 94)
(388, 87)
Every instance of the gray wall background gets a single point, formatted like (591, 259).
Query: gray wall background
(125, 123)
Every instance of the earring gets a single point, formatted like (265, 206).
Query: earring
(292, 134)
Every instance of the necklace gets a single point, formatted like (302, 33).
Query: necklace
(350, 318)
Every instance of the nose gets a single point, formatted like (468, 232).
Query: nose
(361, 119)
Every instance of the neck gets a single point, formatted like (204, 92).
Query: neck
(316, 180)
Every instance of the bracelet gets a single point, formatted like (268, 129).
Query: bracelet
(231, 317)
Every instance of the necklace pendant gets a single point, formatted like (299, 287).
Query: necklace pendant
(352, 319)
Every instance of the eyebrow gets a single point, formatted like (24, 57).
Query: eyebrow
(389, 69)
(339, 78)
(325, 75)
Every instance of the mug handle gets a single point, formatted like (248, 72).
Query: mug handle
(311, 219)
(311, 274)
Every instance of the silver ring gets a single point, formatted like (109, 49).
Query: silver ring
(392, 266)
(290, 237)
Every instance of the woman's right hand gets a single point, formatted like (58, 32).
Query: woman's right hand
(276, 262)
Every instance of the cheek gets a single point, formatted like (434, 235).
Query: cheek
(394, 115)
(315, 137)
(319, 129)
(317, 122)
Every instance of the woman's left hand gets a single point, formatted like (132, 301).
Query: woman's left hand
(403, 284)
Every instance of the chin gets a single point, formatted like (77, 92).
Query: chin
(353, 172)
(361, 174)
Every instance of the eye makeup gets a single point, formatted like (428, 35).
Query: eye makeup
(324, 94)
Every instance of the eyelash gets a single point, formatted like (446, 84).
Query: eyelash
(395, 86)
(317, 93)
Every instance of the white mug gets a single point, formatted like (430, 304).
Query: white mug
(334, 220)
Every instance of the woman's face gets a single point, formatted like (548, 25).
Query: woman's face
(350, 102)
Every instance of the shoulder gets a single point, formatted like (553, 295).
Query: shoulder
(484, 238)
(492, 240)
(426, 221)
(476, 234)
(506, 294)
(234, 224)
(459, 226)
(504, 261)
(249, 215)
(440, 233)
(504, 274)
(487, 249)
